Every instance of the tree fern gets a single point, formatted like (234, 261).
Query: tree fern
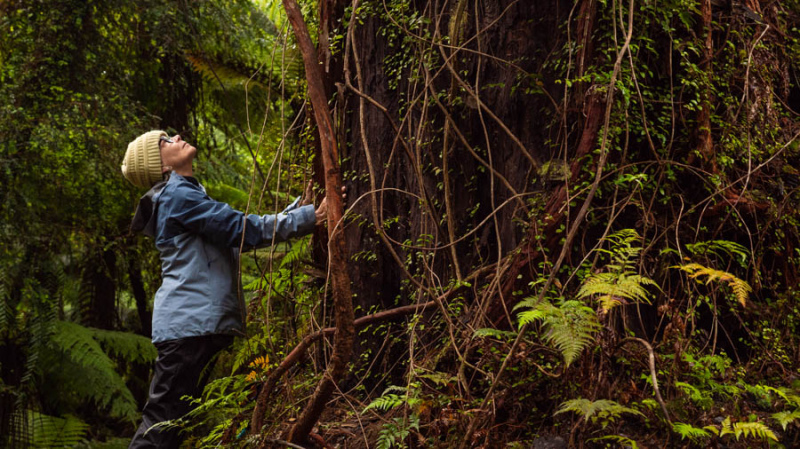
(619, 282)
(125, 345)
(52, 432)
(602, 410)
(569, 327)
(741, 289)
(86, 371)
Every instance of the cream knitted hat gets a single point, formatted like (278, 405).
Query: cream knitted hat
(142, 162)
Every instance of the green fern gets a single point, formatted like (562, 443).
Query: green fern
(389, 400)
(619, 283)
(126, 346)
(298, 251)
(602, 410)
(488, 332)
(394, 433)
(695, 434)
(786, 418)
(743, 429)
(611, 289)
(741, 289)
(51, 432)
(87, 371)
(723, 249)
(569, 327)
(623, 441)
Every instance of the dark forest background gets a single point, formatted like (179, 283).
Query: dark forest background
(568, 223)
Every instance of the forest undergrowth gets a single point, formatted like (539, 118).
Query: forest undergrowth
(568, 224)
(624, 275)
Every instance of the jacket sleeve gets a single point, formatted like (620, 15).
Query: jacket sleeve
(221, 224)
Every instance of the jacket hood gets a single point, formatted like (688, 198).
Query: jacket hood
(144, 220)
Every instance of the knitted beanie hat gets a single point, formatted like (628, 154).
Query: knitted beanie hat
(142, 163)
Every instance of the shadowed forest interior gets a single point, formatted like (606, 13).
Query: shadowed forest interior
(566, 223)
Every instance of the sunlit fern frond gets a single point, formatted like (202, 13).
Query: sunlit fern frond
(747, 430)
(741, 289)
(610, 289)
(786, 418)
(570, 327)
(591, 410)
(617, 282)
(623, 252)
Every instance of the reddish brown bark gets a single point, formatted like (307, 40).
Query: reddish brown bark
(705, 143)
(340, 282)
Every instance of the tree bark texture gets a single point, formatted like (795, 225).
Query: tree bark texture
(448, 176)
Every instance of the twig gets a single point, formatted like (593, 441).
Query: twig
(652, 364)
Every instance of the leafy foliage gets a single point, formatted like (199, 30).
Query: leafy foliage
(695, 434)
(569, 326)
(741, 289)
(620, 282)
(603, 410)
(394, 432)
(743, 429)
(389, 400)
(90, 374)
(50, 431)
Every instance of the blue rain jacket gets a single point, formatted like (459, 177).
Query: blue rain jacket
(199, 239)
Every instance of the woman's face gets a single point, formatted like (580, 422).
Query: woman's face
(176, 153)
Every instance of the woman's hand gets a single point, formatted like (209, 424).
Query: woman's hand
(321, 213)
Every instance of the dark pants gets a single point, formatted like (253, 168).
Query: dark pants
(181, 370)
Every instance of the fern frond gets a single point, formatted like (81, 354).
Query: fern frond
(746, 429)
(386, 402)
(91, 374)
(754, 429)
(494, 333)
(786, 418)
(612, 288)
(299, 250)
(618, 282)
(721, 248)
(125, 345)
(623, 441)
(570, 327)
(389, 400)
(695, 434)
(600, 409)
(741, 289)
(50, 431)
